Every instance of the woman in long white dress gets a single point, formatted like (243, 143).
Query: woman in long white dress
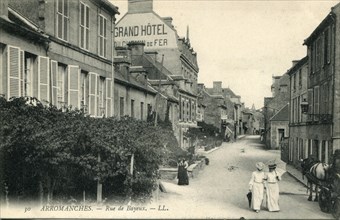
(272, 189)
(256, 186)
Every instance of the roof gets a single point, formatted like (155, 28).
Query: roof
(132, 82)
(325, 22)
(298, 65)
(109, 6)
(282, 114)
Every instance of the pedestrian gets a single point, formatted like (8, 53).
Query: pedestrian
(182, 174)
(272, 189)
(256, 186)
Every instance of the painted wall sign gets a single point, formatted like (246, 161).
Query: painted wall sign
(155, 33)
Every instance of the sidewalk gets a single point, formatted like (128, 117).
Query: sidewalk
(296, 174)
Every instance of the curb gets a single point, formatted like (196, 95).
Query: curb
(298, 179)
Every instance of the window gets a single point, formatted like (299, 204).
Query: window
(294, 82)
(133, 108)
(28, 75)
(83, 91)
(316, 102)
(102, 36)
(121, 106)
(101, 99)
(84, 26)
(300, 78)
(318, 54)
(142, 110)
(62, 19)
(310, 104)
(61, 85)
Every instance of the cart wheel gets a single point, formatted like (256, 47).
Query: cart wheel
(336, 209)
(325, 200)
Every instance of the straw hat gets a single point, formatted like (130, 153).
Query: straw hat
(259, 165)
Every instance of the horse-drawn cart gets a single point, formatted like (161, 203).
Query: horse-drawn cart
(329, 197)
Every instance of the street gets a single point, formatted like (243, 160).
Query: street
(220, 189)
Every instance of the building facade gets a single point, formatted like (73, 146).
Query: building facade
(272, 105)
(320, 110)
(298, 138)
(162, 43)
(74, 68)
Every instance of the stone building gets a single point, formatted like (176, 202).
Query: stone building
(133, 94)
(272, 105)
(215, 110)
(157, 78)
(279, 127)
(233, 117)
(162, 43)
(57, 61)
(297, 121)
(321, 108)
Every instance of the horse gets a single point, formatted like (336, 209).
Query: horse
(316, 172)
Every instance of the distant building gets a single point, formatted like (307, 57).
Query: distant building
(215, 111)
(274, 104)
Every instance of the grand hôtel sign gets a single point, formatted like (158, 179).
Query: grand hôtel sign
(153, 35)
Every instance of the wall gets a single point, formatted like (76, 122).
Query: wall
(275, 125)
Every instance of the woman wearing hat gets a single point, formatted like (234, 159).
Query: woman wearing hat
(256, 186)
(272, 189)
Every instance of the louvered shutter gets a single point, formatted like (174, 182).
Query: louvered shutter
(13, 70)
(92, 93)
(43, 79)
(54, 77)
(310, 104)
(22, 73)
(73, 86)
(99, 104)
(108, 97)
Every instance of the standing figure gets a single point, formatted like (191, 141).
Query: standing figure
(256, 186)
(272, 189)
(182, 175)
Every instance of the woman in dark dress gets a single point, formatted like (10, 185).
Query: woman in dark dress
(182, 175)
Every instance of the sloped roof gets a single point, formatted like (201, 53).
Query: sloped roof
(282, 114)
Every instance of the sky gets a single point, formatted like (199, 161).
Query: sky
(243, 43)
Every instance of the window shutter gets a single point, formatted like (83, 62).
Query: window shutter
(98, 104)
(13, 70)
(73, 86)
(54, 81)
(108, 97)
(44, 80)
(92, 93)
(310, 103)
(22, 73)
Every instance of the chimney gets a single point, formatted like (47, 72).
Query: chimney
(200, 86)
(140, 6)
(123, 52)
(295, 62)
(4, 8)
(168, 21)
(217, 86)
(137, 48)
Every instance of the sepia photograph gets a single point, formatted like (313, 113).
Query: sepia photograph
(169, 109)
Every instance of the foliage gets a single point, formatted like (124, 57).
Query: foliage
(47, 152)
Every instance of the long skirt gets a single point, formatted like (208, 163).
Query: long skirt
(273, 197)
(183, 178)
(257, 196)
